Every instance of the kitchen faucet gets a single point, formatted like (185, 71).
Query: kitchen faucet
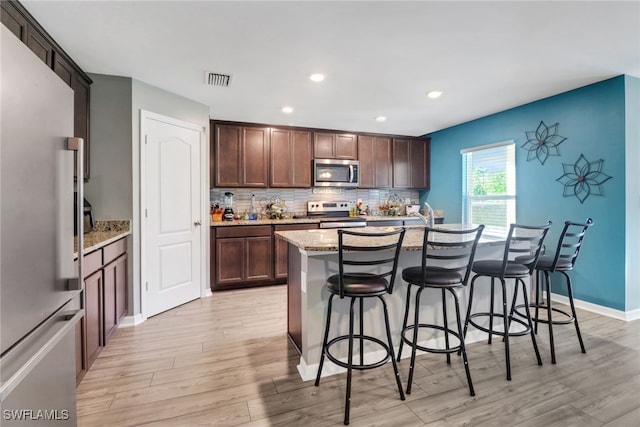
(428, 221)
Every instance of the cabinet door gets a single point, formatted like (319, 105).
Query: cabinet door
(63, 69)
(13, 20)
(420, 154)
(227, 155)
(374, 155)
(324, 145)
(401, 160)
(229, 260)
(93, 315)
(255, 157)
(290, 159)
(121, 287)
(81, 361)
(40, 46)
(281, 158)
(258, 258)
(346, 146)
(109, 300)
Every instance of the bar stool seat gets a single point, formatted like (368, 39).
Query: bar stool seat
(378, 253)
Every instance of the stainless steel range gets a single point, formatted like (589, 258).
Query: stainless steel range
(334, 214)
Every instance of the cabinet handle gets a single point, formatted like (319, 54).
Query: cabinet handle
(197, 222)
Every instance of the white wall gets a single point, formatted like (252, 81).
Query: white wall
(632, 210)
(155, 100)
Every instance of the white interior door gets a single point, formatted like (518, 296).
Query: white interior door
(171, 213)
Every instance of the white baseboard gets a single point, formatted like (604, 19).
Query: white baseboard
(129, 321)
(598, 309)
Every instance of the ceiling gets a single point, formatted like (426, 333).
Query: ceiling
(380, 58)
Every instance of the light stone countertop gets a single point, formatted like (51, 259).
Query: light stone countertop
(103, 233)
(368, 218)
(326, 240)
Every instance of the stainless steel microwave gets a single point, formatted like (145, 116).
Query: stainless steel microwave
(335, 173)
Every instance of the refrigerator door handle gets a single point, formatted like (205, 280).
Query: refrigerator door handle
(77, 145)
(70, 320)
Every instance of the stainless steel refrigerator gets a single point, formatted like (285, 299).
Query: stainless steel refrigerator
(39, 287)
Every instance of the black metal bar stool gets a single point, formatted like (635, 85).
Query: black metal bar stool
(367, 265)
(447, 257)
(564, 260)
(524, 242)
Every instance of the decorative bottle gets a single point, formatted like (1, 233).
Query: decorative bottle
(253, 213)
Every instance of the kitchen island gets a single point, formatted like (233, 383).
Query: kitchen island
(313, 257)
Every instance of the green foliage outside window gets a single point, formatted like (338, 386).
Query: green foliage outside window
(485, 183)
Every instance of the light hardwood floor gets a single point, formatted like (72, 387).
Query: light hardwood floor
(226, 361)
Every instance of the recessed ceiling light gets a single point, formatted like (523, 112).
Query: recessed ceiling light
(381, 119)
(434, 94)
(316, 77)
(287, 110)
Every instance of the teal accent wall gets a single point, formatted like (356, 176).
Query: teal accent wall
(592, 118)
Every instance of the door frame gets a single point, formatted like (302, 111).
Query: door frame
(204, 204)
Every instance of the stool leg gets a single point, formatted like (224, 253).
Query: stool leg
(573, 311)
(506, 324)
(414, 341)
(466, 319)
(404, 322)
(537, 306)
(347, 403)
(513, 304)
(324, 341)
(491, 309)
(547, 288)
(462, 347)
(392, 357)
(446, 330)
(361, 331)
(530, 323)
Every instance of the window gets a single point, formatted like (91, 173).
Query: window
(489, 187)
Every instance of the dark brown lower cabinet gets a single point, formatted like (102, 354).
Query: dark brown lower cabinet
(104, 299)
(243, 254)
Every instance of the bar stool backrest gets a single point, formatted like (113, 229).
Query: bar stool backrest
(449, 250)
(358, 249)
(569, 244)
(524, 242)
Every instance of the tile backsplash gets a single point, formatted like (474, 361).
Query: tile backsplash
(296, 199)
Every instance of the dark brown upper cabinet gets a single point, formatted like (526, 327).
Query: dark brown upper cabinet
(290, 158)
(411, 163)
(374, 155)
(332, 145)
(241, 156)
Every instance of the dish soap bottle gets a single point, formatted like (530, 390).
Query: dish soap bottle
(253, 213)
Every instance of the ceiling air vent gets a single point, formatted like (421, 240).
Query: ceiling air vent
(217, 79)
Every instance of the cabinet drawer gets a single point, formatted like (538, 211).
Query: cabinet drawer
(114, 250)
(290, 227)
(243, 231)
(92, 262)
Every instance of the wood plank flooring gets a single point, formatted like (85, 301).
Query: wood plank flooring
(226, 361)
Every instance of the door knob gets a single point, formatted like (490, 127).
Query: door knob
(197, 222)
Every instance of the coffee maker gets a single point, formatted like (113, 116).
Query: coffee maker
(86, 213)
(228, 207)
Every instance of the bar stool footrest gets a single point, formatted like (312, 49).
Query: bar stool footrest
(495, 332)
(567, 320)
(356, 338)
(452, 349)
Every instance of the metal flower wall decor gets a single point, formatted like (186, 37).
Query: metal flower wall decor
(583, 178)
(543, 142)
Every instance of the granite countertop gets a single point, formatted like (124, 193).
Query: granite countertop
(369, 218)
(327, 239)
(103, 233)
